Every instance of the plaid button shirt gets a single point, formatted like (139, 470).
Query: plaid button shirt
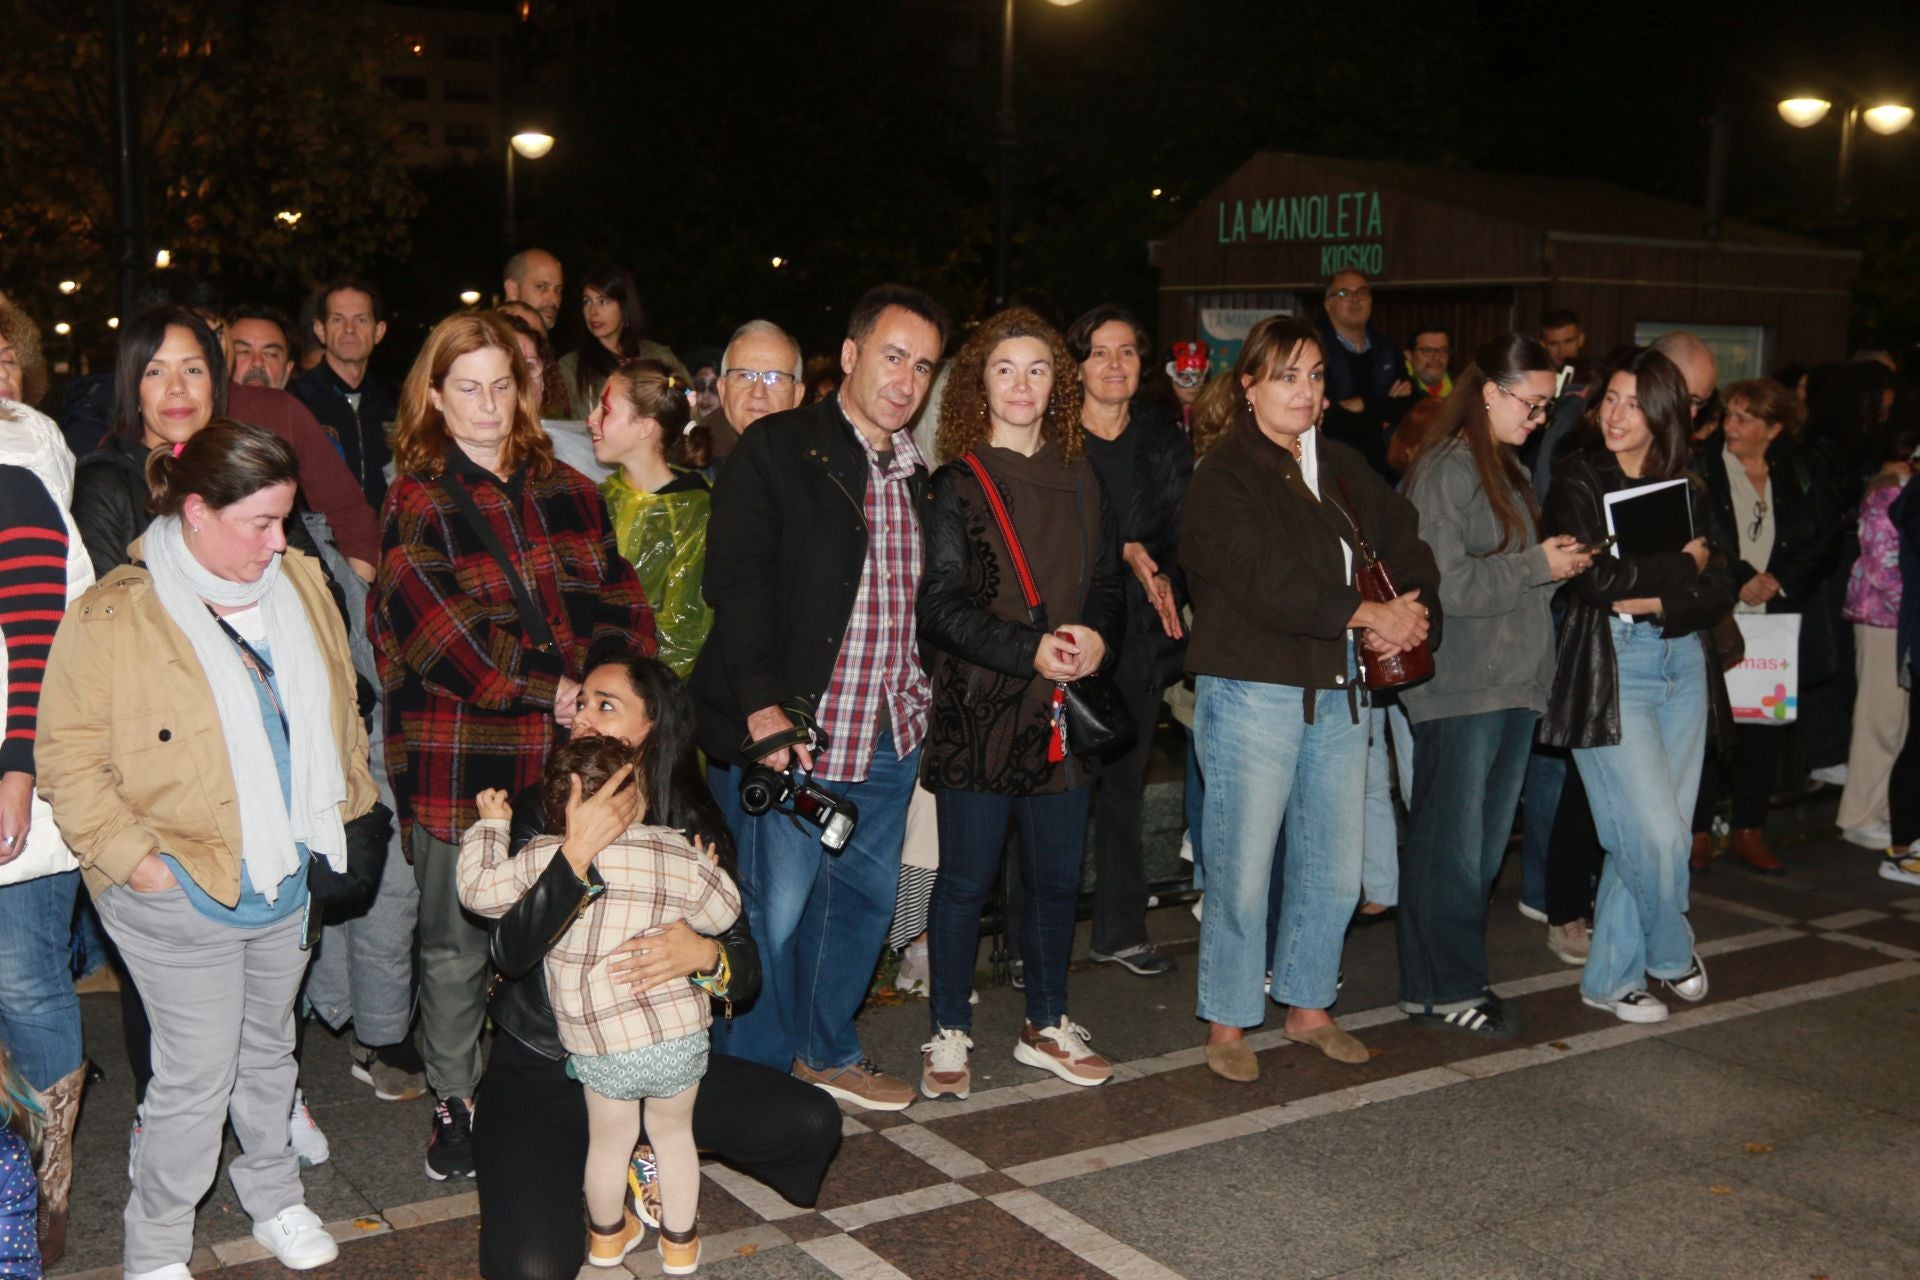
(879, 658)
(469, 704)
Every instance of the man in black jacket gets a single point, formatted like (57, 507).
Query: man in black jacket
(358, 406)
(813, 565)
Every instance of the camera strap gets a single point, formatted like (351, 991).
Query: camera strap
(805, 732)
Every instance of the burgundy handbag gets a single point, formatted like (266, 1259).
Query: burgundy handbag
(1376, 586)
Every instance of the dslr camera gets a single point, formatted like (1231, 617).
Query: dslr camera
(796, 793)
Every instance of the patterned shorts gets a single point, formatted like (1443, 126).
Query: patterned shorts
(651, 1071)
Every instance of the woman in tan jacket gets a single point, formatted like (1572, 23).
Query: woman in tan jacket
(204, 757)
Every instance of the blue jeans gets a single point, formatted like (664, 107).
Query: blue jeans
(1380, 847)
(1642, 790)
(1265, 765)
(39, 1013)
(820, 918)
(1467, 773)
(973, 831)
(1539, 802)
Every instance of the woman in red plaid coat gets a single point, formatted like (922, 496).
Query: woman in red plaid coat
(498, 575)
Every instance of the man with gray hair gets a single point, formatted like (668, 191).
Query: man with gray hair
(1697, 364)
(759, 374)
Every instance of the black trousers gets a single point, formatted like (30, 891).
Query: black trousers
(1903, 784)
(1574, 855)
(1748, 773)
(1119, 860)
(530, 1150)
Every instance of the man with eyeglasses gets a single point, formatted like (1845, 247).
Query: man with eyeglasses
(1429, 351)
(759, 374)
(1368, 390)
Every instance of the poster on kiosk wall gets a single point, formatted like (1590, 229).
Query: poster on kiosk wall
(1224, 329)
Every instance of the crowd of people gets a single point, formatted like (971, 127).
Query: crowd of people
(648, 701)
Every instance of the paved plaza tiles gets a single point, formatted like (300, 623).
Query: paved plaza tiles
(1771, 1131)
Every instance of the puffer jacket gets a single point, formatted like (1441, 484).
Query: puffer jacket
(131, 755)
(1584, 708)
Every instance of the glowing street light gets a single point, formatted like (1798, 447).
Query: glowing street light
(163, 259)
(1884, 118)
(470, 296)
(63, 328)
(1888, 118)
(533, 144)
(113, 322)
(289, 218)
(779, 261)
(1804, 113)
(68, 286)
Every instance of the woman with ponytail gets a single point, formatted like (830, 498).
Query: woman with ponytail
(203, 754)
(1473, 722)
(659, 511)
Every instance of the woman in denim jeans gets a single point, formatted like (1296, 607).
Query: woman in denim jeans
(1638, 678)
(1267, 538)
(1473, 722)
(996, 748)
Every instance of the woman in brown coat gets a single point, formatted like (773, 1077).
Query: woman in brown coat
(994, 748)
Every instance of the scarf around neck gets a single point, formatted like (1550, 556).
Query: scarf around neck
(269, 830)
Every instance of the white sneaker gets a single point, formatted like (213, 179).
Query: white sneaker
(914, 976)
(944, 1072)
(1833, 775)
(1901, 865)
(1062, 1049)
(304, 1135)
(1875, 836)
(172, 1271)
(1534, 914)
(1690, 986)
(1635, 1006)
(296, 1237)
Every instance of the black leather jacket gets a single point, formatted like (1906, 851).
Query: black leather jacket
(1162, 466)
(1584, 708)
(517, 1000)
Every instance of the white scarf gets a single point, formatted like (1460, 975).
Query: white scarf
(268, 829)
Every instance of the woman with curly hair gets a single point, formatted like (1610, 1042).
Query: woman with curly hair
(23, 370)
(996, 750)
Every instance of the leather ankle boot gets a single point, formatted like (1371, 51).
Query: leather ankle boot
(1749, 844)
(61, 1105)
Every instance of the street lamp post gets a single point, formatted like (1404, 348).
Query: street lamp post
(1885, 118)
(532, 144)
(1003, 215)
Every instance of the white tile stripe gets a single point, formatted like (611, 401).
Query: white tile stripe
(1081, 1238)
(770, 1206)
(929, 1146)
(851, 1260)
(1848, 919)
(938, 1196)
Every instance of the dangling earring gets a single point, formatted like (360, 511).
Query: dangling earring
(1249, 404)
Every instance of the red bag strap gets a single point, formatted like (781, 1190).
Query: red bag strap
(999, 508)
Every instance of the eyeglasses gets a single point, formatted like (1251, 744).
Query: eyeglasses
(1363, 293)
(771, 379)
(1759, 518)
(1433, 351)
(1537, 410)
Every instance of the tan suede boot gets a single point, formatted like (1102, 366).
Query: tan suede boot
(61, 1106)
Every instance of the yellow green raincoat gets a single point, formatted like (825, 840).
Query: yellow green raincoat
(664, 535)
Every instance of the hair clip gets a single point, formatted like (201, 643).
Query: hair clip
(672, 382)
(178, 447)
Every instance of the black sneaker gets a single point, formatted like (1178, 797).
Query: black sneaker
(1144, 960)
(1490, 1019)
(450, 1149)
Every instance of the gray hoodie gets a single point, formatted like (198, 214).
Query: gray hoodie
(1499, 651)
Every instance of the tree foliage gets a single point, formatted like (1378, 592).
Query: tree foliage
(246, 109)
